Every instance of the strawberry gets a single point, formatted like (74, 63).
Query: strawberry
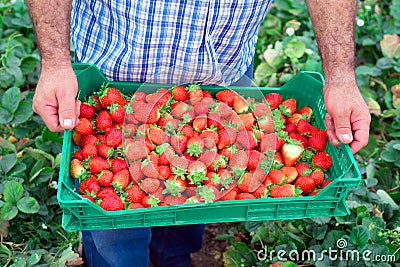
(148, 113)
(90, 186)
(303, 169)
(197, 172)
(306, 184)
(76, 137)
(260, 191)
(77, 170)
(201, 108)
(186, 130)
(294, 119)
(246, 121)
(224, 110)
(326, 183)
(228, 152)
(132, 206)
(288, 106)
(178, 109)
(303, 127)
(122, 178)
(134, 194)
(277, 177)
(291, 153)
(179, 93)
(214, 120)
(195, 146)
(98, 164)
(111, 95)
(84, 127)
(112, 203)
(95, 102)
(165, 171)
(89, 150)
(114, 137)
(278, 158)
(322, 160)
(248, 183)
(105, 178)
(313, 130)
(318, 140)
(290, 174)
(286, 190)
(195, 93)
(135, 169)
(136, 150)
(207, 157)
(218, 163)
(155, 135)
(318, 176)
(104, 150)
(179, 143)
(86, 111)
(200, 123)
(273, 99)
(118, 164)
(246, 139)
(139, 96)
(150, 169)
(240, 104)
(103, 120)
(307, 111)
(78, 155)
(260, 110)
(290, 128)
(150, 185)
(88, 198)
(255, 157)
(239, 160)
(117, 113)
(313, 193)
(227, 136)
(174, 186)
(207, 94)
(243, 196)
(231, 195)
(266, 124)
(226, 96)
(177, 200)
(298, 137)
(210, 138)
(150, 201)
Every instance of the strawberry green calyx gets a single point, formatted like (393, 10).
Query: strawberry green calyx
(193, 149)
(192, 88)
(153, 201)
(227, 181)
(197, 178)
(172, 188)
(205, 193)
(215, 178)
(179, 172)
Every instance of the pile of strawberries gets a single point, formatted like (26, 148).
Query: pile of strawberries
(183, 145)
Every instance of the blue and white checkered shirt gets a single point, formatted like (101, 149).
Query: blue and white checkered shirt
(168, 41)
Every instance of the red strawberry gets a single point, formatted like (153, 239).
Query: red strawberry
(88, 197)
(243, 196)
(201, 108)
(195, 93)
(186, 130)
(155, 135)
(286, 190)
(290, 128)
(134, 194)
(246, 121)
(86, 111)
(207, 94)
(89, 186)
(322, 160)
(103, 120)
(200, 123)
(179, 93)
(135, 169)
(136, 150)
(290, 174)
(197, 167)
(148, 113)
(226, 96)
(318, 140)
(303, 169)
(104, 150)
(195, 146)
(273, 99)
(240, 104)
(84, 127)
(150, 169)
(109, 96)
(266, 124)
(135, 206)
(76, 137)
(176, 200)
(260, 192)
(313, 193)
(288, 106)
(326, 183)
(228, 152)
(139, 96)
(150, 201)
(291, 153)
(278, 158)
(122, 178)
(88, 139)
(231, 195)
(165, 171)
(215, 120)
(277, 177)
(260, 110)
(246, 139)
(77, 170)
(178, 109)
(239, 160)
(89, 150)
(105, 178)
(306, 184)
(98, 164)
(179, 143)
(210, 138)
(150, 185)
(294, 119)
(255, 157)
(227, 136)
(307, 111)
(318, 176)
(117, 113)
(78, 155)
(313, 130)
(114, 137)
(298, 137)
(112, 203)
(95, 102)
(118, 164)
(248, 183)
(303, 127)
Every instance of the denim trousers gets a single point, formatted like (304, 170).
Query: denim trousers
(168, 246)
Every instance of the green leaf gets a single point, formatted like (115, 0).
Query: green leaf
(13, 192)
(39, 154)
(28, 205)
(388, 156)
(34, 258)
(5, 144)
(19, 263)
(370, 170)
(332, 238)
(385, 198)
(41, 176)
(5, 116)
(5, 252)
(10, 99)
(23, 113)
(17, 73)
(28, 64)
(359, 235)
(371, 182)
(263, 71)
(7, 162)
(366, 70)
(8, 211)
(11, 61)
(295, 49)
(6, 79)
(384, 63)
(318, 232)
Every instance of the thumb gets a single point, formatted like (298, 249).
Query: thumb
(343, 128)
(67, 110)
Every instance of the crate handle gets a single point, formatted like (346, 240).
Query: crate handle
(316, 75)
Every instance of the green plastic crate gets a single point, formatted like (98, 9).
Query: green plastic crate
(306, 87)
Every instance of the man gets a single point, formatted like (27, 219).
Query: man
(209, 42)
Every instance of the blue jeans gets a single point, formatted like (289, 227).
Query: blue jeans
(166, 246)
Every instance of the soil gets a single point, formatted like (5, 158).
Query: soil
(212, 250)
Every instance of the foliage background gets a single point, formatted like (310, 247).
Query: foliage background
(30, 222)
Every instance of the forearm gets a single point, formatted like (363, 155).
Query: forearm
(333, 22)
(51, 20)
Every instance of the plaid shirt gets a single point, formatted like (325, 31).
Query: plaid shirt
(168, 41)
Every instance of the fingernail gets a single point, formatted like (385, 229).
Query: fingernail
(345, 137)
(67, 123)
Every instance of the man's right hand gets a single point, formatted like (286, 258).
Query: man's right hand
(54, 98)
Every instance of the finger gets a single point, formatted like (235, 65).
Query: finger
(330, 130)
(77, 109)
(67, 109)
(360, 140)
(343, 127)
(50, 118)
